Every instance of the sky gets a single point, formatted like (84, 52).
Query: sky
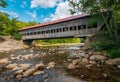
(37, 10)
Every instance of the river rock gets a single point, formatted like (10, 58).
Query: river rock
(81, 54)
(11, 66)
(19, 72)
(24, 66)
(76, 61)
(50, 66)
(115, 61)
(19, 76)
(38, 72)
(27, 56)
(118, 66)
(93, 62)
(97, 57)
(105, 75)
(29, 72)
(4, 60)
(46, 80)
(61, 52)
(51, 63)
(40, 66)
(31, 51)
(104, 53)
(16, 68)
(90, 53)
(71, 66)
(85, 61)
(88, 66)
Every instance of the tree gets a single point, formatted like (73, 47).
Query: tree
(105, 10)
(3, 3)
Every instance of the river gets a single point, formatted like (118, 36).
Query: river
(45, 55)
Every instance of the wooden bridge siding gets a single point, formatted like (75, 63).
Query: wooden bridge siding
(80, 33)
(76, 33)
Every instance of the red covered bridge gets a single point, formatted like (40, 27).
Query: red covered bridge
(74, 26)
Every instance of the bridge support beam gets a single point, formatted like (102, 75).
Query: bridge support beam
(28, 42)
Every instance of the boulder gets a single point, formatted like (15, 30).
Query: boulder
(105, 75)
(71, 66)
(11, 66)
(115, 61)
(38, 72)
(27, 56)
(40, 66)
(97, 57)
(46, 80)
(81, 54)
(19, 72)
(50, 66)
(4, 60)
(93, 62)
(51, 63)
(88, 66)
(118, 66)
(19, 76)
(85, 61)
(76, 61)
(24, 66)
(29, 72)
(16, 68)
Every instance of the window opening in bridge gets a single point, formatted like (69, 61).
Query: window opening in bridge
(54, 30)
(64, 29)
(31, 33)
(79, 27)
(42, 32)
(51, 31)
(47, 32)
(57, 30)
(34, 33)
(27, 33)
(83, 26)
(74, 27)
(39, 32)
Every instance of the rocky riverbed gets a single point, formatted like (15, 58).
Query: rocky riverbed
(58, 64)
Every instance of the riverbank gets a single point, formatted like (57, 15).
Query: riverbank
(7, 43)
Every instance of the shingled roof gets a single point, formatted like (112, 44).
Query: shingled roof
(56, 21)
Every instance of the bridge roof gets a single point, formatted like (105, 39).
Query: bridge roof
(55, 21)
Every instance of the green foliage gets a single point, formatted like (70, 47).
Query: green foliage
(114, 53)
(10, 26)
(104, 42)
(107, 11)
(103, 46)
(62, 40)
(3, 3)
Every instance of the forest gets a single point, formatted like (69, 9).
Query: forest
(10, 26)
